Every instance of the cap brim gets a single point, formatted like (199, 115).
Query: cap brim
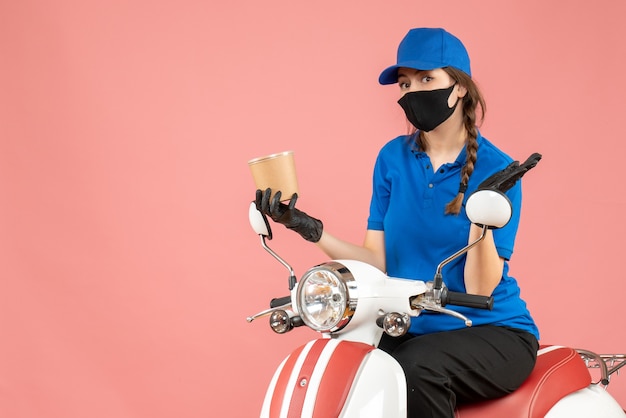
(389, 75)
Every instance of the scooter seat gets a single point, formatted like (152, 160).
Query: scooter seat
(559, 371)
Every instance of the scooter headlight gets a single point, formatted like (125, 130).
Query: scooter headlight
(323, 297)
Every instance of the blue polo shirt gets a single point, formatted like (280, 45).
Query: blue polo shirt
(408, 204)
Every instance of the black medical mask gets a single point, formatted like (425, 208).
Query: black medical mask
(427, 109)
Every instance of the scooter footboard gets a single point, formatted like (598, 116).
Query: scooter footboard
(331, 378)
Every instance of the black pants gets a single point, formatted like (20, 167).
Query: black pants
(466, 365)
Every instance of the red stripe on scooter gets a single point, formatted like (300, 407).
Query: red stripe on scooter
(338, 377)
(299, 391)
(278, 396)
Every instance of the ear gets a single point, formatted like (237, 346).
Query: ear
(462, 91)
(457, 94)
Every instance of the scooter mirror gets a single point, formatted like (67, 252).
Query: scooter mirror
(489, 208)
(259, 222)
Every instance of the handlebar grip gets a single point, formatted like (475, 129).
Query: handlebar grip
(276, 302)
(464, 299)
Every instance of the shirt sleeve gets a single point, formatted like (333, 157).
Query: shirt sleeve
(381, 190)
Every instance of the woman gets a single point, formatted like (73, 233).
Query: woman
(417, 219)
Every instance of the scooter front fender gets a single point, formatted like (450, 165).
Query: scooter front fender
(332, 378)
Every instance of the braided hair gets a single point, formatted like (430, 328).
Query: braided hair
(470, 103)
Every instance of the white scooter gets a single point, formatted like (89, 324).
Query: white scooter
(344, 374)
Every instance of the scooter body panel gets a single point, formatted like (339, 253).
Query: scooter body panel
(593, 401)
(380, 389)
(328, 377)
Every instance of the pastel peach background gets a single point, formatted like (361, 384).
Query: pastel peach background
(127, 266)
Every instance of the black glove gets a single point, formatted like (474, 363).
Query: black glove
(505, 179)
(308, 227)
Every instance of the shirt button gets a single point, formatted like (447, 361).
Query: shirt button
(430, 186)
(442, 170)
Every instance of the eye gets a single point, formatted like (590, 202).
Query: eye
(426, 79)
(404, 85)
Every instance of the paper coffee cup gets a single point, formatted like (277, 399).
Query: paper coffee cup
(277, 172)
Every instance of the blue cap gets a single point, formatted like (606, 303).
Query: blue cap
(428, 49)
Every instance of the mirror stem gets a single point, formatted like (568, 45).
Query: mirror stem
(292, 275)
(438, 280)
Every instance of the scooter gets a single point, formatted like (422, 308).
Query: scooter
(351, 304)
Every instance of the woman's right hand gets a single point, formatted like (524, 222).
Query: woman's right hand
(308, 227)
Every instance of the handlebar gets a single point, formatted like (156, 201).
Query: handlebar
(463, 299)
(276, 302)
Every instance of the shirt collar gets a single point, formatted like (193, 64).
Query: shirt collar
(460, 159)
